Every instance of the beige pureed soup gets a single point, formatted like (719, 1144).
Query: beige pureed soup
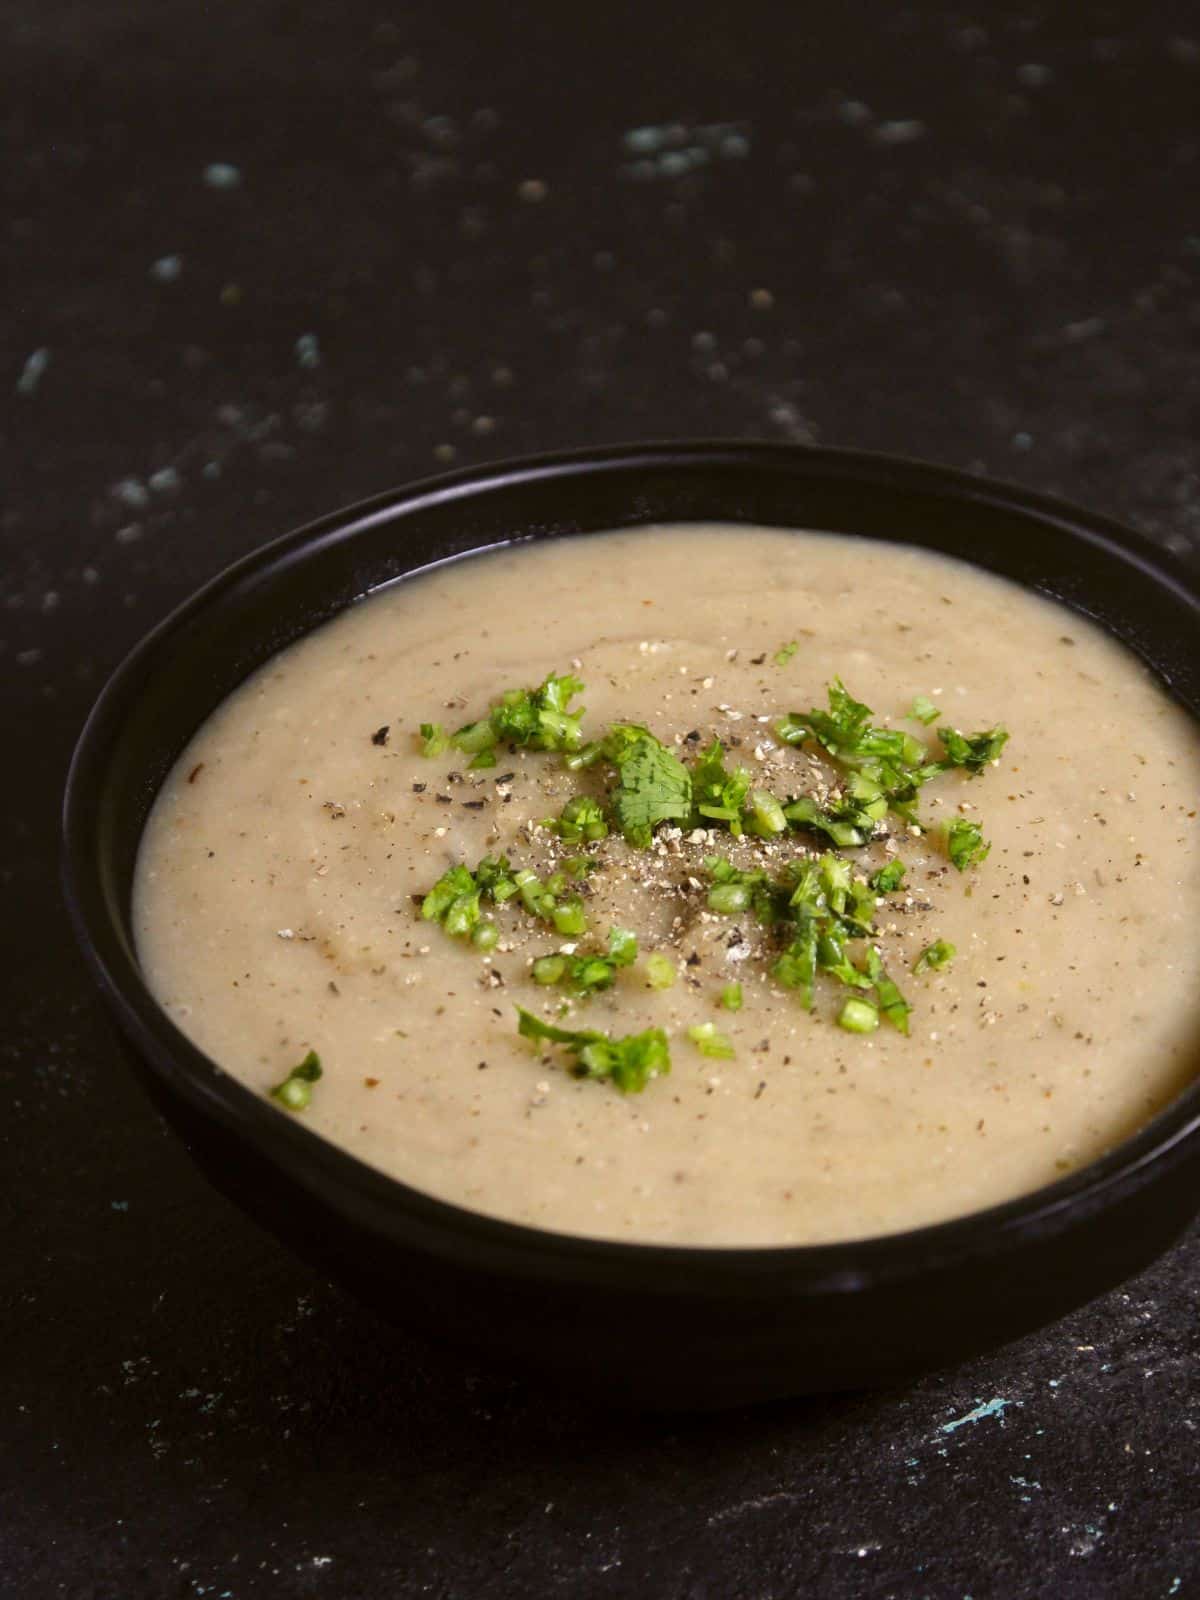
(283, 898)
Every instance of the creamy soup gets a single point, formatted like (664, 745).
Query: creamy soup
(279, 889)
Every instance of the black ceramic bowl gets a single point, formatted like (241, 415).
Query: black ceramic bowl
(651, 1325)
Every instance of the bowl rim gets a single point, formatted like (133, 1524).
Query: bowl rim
(387, 1204)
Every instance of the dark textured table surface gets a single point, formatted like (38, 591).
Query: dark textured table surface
(266, 259)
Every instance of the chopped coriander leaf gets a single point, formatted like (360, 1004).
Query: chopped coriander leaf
(710, 1042)
(462, 915)
(808, 895)
(858, 916)
(451, 886)
(581, 821)
(592, 972)
(494, 879)
(895, 782)
(584, 974)
(295, 1092)
(579, 866)
(828, 887)
(842, 727)
(792, 729)
(975, 752)
(965, 843)
(796, 968)
(934, 956)
(540, 718)
(734, 891)
(858, 1016)
(653, 786)
(586, 756)
(569, 916)
(535, 897)
(730, 898)
(731, 997)
(832, 958)
(764, 814)
(888, 879)
(537, 719)
(434, 739)
(923, 710)
(660, 972)
(485, 758)
(474, 737)
(888, 767)
(456, 899)
(833, 874)
(892, 1004)
(785, 653)
(628, 1063)
(846, 831)
(719, 795)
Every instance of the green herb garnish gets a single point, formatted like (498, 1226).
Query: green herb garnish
(764, 814)
(938, 954)
(719, 795)
(796, 968)
(534, 719)
(892, 1004)
(923, 710)
(295, 1091)
(974, 752)
(628, 1063)
(888, 879)
(585, 974)
(711, 1042)
(653, 785)
(579, 866)
(833, 959)
(581, 821)
(660, 972)
(540, 718)
(434, 739)
(888, 767)
(456, 900)
(828, 906)
(785, 653)
(819, 907)
(569, 916)
(845, 730)
(847, 826)
(858, 1016)
(965, 843)
(734, 890)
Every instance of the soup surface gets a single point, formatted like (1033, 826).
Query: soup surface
(279, 887)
